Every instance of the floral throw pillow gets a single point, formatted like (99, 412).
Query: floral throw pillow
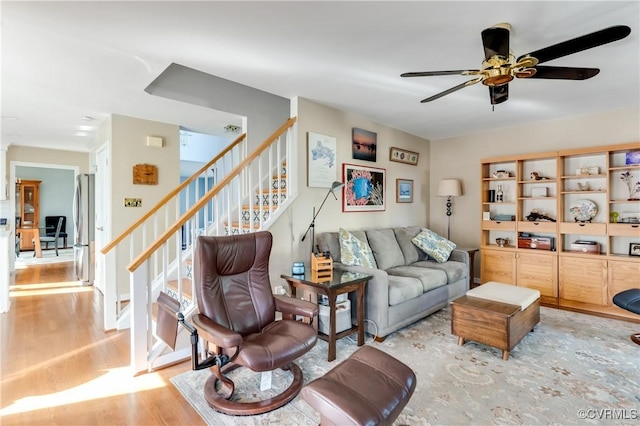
(434, 245)
(354, 252)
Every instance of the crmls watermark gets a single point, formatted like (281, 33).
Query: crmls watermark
(609, 414)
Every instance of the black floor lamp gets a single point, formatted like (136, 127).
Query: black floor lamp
(334, 187)
(449, 188)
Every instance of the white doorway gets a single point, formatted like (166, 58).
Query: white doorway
(102, 231)
(58, 197)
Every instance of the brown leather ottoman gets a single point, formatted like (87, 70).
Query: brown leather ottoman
(369, 387)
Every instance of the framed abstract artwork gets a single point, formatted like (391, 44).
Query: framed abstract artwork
(364, 188)
(321, 164)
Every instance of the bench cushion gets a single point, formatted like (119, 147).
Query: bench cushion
(505, 293)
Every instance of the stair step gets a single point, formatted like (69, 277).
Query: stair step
(283, 182)
(235, 228)
(172, 286)
(263, 198)
(265, 211)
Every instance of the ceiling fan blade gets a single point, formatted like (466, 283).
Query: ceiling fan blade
(564, 73)
(451, 90)
(579, 44)
(496, 42)
(498, 94)
(432, 73)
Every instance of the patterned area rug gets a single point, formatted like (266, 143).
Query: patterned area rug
(573, 369)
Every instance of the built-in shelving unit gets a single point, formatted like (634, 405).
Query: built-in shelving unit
(577, 202)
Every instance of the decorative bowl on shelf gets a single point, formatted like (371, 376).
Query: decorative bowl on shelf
(583, 210)
(502, 242)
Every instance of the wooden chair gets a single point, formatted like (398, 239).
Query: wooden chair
(51, 222)
(56, 236)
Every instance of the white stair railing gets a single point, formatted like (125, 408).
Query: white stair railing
(236, 204)
(136, 238)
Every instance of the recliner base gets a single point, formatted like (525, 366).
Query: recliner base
(218, 402)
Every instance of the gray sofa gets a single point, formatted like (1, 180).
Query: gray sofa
(407, 285)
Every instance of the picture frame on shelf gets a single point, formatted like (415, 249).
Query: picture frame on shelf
(404, 191)
(364, 188)
(322, 164)
(403, 156)
(634, 249)
(632, 158)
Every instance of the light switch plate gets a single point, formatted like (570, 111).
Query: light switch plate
(133, 202)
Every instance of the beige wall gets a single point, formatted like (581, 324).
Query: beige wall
(290, 228)
(49, 156)
(460, 158)
(128, 148)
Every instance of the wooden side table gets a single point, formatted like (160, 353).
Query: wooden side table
(472, 254)
(341, 282)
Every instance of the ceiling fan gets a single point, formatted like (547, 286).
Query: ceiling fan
(499, 66)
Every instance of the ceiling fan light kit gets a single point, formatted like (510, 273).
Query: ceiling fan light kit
(499, 67)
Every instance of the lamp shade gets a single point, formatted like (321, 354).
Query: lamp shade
(449, 188)
(336, 185)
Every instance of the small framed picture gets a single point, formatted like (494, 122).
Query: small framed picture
(403, 156)
(634, 249)
(404, 191)
(632, 158)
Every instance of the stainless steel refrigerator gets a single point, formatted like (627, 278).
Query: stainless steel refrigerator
(83, 219)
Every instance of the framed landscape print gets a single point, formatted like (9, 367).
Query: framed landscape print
(365, 144)
(404, 191)
(364, 188)
(321, 166)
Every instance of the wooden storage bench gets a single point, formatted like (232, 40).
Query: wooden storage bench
(495, 314)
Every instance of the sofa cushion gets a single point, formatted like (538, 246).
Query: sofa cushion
(385, 248)
(454, 270)
(434, 245)
(354, 251)
(410, 251)
(429, 278)
(403, 288)
(329, 241)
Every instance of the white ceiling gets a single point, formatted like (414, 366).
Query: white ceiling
(65, 60)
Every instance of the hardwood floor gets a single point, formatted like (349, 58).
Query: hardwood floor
(58, 366)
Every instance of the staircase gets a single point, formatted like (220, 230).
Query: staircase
(249, 197)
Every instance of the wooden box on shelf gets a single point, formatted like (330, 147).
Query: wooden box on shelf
(321, 267)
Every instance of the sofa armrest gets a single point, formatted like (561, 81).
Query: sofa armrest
(460, 256)
(376, 294)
